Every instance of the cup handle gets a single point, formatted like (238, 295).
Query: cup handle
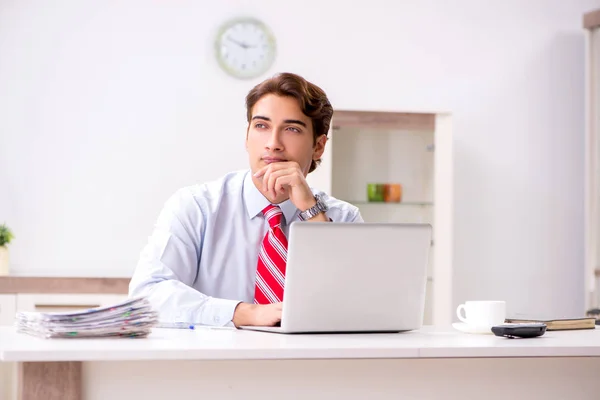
(459, 314)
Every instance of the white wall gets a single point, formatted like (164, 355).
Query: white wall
(107, 107)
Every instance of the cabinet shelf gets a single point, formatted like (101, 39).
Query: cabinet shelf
(392, 204)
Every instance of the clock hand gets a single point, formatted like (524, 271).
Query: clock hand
(242, 45)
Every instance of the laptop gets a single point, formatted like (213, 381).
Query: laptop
(354, 277)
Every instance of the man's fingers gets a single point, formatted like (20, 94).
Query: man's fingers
(261, 171)
(273, 178)
(276, 166)
(271, 183)
(272, 167)
(265, 180)
(278, 177)
(281, 182)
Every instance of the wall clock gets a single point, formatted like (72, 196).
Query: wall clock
(245, 48)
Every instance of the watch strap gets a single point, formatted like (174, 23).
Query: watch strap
(319, 207)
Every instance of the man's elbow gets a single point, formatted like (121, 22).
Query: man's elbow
(142, 287)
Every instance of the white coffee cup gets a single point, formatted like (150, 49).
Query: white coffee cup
(482, 313)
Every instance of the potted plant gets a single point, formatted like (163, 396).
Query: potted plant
(5, 237)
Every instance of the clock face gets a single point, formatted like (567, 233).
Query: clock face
(245, 48)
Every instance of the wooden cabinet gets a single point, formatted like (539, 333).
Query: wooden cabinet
(591, 23)
(64, 302)
(411, 149)
(49, 294)
(7, 309)
(43, 302)
(7, 317)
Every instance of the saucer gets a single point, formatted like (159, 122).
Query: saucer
(466, 328)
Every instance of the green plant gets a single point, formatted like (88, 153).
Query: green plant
(5, 235)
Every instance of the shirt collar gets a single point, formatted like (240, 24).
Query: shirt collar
(256, 202)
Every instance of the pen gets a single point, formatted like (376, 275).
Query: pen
(190, 325)
(176, 325)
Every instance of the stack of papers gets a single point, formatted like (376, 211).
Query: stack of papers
(131, 318)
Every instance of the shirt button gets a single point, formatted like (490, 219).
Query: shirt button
(216, 319)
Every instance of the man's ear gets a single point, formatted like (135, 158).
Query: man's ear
(247, 132)
(319, 147)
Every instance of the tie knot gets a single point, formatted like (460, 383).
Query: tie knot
(273, 215)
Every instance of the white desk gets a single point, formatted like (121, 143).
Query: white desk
(427, 364)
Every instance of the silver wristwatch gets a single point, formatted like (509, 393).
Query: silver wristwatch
(314, 210)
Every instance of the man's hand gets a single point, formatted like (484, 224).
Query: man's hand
(286, 179)
(257, 314)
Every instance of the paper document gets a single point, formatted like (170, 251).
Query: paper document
(131, 318)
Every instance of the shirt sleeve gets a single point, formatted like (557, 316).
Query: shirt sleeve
(168, 266)
(356, 217)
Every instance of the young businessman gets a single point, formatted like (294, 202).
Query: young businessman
(218, 251)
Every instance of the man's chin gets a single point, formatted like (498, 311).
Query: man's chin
(280, 198)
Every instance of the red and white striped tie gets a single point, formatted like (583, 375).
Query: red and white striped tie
(272, 258)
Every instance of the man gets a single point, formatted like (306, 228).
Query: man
(218, 251)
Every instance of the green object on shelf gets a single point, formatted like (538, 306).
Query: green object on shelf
(6, 235)
(375, 192)
(401, 204)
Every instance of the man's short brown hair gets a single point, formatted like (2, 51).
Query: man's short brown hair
(312, 100)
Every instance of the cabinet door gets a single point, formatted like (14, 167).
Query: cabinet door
(7, 317)
(8, 372)
(442, 296)
(65, 302)
(7, 309)
(592, 175)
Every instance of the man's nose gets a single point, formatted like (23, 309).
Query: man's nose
(274, 142)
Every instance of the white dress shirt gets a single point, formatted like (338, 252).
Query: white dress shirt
(201, 258)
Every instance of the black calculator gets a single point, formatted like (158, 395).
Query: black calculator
(520, 330)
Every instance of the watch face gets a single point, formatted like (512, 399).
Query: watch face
(245, 48)
(321, 203)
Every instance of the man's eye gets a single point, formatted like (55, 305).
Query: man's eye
(294, 129)
(259, 126)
